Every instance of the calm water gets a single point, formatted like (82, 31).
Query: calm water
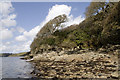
(14, 67)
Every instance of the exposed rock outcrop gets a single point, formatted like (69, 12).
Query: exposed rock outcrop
(94, 64)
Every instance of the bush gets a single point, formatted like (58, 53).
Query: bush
(80, 37)
(49, 41)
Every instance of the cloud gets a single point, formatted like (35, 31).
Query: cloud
(6, 20)
(13, 47)
(32, 33)
(20, 29)
(6, 8)
(21, 38)
(72, 21)
(5, 34)
(58, 10)
(28, 34)
(22, 48)
(7, 43)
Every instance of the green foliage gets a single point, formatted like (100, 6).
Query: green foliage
(94, 8)
(19, 54)
(61, 34)
(5, 54)
(52, 25)
(49, 41)
(80, 37)
(68, 43)
(13, 55)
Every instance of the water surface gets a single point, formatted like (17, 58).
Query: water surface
(14, 67)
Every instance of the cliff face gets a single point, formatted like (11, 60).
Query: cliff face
(94, 32)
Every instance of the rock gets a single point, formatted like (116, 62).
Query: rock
(51, 54)
(102, 50)
(117, 52)
(114, 75)
(82, 51)
(62, 52)
(53, 49)
(115, 47)
(53, 67)
(110, 65)
(91, 49)
(40, 57)
(89, 65)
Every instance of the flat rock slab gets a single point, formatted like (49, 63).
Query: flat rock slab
(88, 65)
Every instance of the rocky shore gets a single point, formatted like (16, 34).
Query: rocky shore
(102, 63)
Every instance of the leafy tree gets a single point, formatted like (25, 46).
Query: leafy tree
(95, 7)
(80, 37)
(52, 25)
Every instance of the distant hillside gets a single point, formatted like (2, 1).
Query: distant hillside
(94, 32)
(5, 54)
(14, 55)
(19, 54)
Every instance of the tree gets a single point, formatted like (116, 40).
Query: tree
(95, 7)
(52, 25)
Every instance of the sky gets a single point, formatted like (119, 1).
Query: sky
(21, 21)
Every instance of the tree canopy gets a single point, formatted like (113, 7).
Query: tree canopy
(53, 25)
(99, 5)
(95, 7)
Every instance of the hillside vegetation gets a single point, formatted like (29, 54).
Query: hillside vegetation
(94, 32)
(14, 55)
(18, 54)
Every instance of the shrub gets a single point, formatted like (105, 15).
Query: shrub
(49, 41)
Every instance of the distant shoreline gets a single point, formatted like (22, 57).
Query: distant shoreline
(13, 55)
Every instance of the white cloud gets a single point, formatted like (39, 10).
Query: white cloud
(21, 38)
(3, 48)
(32, 32)
(28, 34)
(8, 43)
(15, 48)
(6, 20)
(72, 20)
(6, 8)
(5, 34)
(58, 10)
(20, 29)
(22, 48)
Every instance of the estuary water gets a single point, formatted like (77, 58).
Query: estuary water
(14, 67)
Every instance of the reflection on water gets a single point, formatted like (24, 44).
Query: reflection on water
(13, 67)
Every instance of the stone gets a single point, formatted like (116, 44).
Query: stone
(114, 75)
(62, 52)
(89, 65)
